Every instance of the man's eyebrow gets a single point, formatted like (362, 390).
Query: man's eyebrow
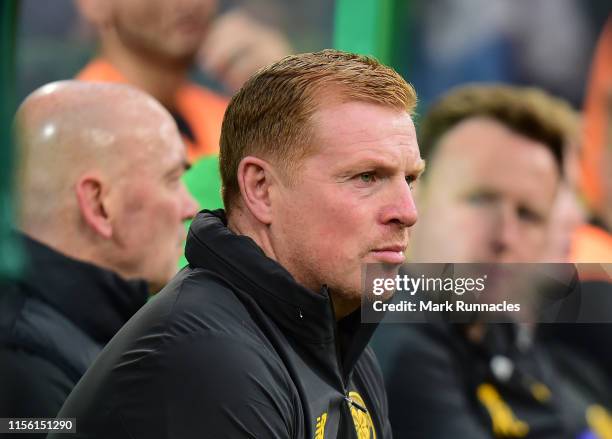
(384, 164)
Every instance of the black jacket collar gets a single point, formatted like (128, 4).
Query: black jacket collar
(306, 315)
(96, 300)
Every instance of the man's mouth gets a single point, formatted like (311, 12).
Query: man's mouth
(392, 254)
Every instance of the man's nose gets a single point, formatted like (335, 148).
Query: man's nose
(401, 208)
(189, 204)
(506, 233)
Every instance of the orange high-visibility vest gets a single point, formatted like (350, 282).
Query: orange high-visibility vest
(202, 109)
(591, 244)
(596, 120)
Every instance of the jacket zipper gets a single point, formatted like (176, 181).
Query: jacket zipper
(355, 404)
(350, 401)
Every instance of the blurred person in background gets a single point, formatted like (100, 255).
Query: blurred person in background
(494, 170)
(593, 242)
(101, 213)
(153, 45)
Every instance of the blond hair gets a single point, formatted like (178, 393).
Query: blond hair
(270, 116)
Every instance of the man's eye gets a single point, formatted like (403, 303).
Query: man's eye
(529, 215)
(367, 177)
(481, 198)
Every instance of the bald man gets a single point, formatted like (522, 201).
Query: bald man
(102, 208)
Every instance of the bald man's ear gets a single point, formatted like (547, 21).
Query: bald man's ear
(97, 12)
(255, 179)
(90, 197)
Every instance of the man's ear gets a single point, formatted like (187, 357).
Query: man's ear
(255, 178)
(90, 193)
(97, 12)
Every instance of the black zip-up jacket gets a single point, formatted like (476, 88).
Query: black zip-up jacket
(54, 321)
(233, 347)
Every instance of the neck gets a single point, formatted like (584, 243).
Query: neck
(66, 242)
(161, 80)
(242, 223)
(73, 242)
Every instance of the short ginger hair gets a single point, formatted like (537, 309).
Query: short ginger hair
(527, 111)
(270, 116)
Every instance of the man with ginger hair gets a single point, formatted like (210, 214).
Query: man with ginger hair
(101, 212)
(260, 336)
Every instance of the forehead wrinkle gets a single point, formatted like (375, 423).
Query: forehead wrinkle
(398, 118)
(399, 136)
(394, 145)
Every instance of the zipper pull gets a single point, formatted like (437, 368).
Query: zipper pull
(355, 404)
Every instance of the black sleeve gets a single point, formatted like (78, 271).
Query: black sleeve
(201, 386)
(427, 397)
(30, 386)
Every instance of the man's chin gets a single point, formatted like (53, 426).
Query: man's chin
(178, 59)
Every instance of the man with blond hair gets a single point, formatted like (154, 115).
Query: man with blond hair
(495, 159)
(101, 213)
(261, 336)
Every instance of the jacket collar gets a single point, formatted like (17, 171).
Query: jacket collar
(305, 314)
(97, 300)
